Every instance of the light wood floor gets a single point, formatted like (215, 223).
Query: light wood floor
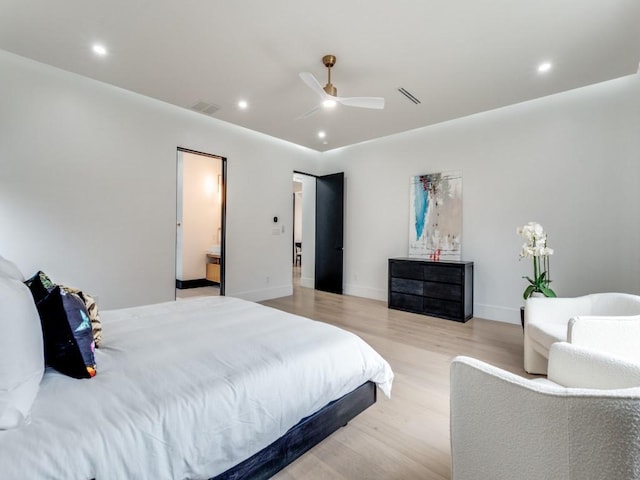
(208, 291)
(406, 437)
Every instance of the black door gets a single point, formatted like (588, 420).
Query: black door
(329, 232)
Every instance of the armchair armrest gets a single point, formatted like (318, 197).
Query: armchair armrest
(617, 335)
(580, 367)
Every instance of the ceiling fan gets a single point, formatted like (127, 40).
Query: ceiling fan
(329, 93)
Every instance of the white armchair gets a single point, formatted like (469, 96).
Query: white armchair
(547, 319)
(506, 427)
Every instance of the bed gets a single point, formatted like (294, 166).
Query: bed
(203, 388)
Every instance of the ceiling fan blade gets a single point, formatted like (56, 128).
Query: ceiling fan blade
(312, 83)
(309, 113)
(362, 102)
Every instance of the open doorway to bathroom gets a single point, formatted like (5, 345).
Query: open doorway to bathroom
(304, 230)
(200, 223)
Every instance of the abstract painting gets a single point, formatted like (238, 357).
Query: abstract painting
(435, 223)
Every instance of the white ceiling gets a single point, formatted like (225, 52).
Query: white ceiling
(458, 57)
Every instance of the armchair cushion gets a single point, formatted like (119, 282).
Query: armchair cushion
(547, 335)
(617, 335)
(580, 367)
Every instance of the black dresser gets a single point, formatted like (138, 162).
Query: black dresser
(441, 289)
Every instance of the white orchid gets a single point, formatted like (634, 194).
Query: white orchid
(536, 247)
(530, 230)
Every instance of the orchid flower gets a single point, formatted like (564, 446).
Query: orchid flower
(536, 248)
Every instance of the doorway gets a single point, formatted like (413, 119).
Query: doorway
(317, 241)
(304, 230)
(200, 224)
(329, 253)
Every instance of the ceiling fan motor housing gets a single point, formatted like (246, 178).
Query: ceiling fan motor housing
(331, 90)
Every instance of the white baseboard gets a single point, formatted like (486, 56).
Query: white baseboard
(365, 292)
(307, 282)
(263, 293)
(497, 313)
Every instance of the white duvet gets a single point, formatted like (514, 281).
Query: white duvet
(185, 390)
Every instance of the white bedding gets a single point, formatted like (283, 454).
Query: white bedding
(186, 390)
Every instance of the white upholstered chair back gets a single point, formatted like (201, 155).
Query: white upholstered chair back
(614, 304)
(506, 427)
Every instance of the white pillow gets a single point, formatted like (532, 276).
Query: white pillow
(21, 352)
(9, 269)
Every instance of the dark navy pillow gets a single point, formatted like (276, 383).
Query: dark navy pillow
(68, 339)
(40, 285)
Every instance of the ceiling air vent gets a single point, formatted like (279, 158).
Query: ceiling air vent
(205, 108)
(409, 95)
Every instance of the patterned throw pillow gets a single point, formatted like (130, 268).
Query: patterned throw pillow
(40, 285)
(92, 310)
(66, 329)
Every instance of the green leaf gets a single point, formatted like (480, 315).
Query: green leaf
(547, 292)
(528, 291)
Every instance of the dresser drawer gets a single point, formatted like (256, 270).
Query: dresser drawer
(438, 273)
(413, 270)
(404, 285)
(446, 291)
(412, 303)
(442, 308)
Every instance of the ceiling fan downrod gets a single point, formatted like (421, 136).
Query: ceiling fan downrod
(329, 61)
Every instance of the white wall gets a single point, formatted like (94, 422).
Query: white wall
(88, 190)
(570, 161)
(88, 187)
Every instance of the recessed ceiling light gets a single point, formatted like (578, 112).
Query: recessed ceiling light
(242, 104)
(99, 49)
(544, 67)
(329, 103)
(321, 134)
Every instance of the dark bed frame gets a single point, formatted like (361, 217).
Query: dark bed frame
(300, 438)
